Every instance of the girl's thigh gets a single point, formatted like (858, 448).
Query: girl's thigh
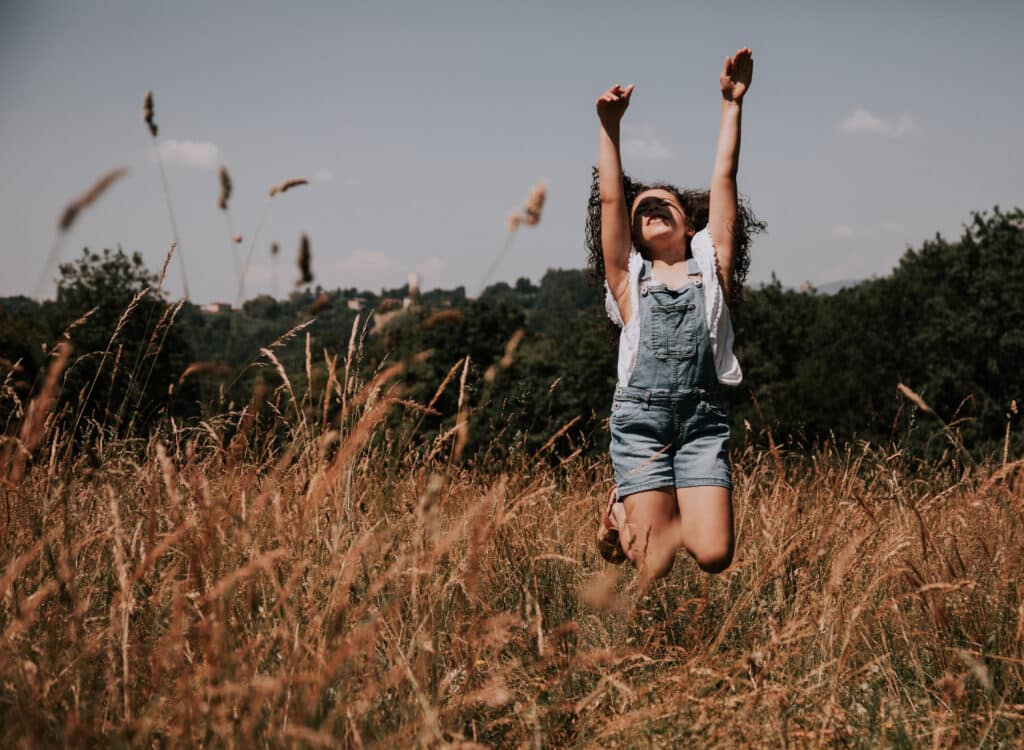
(652, 536)
(706, 525)
(652, 509)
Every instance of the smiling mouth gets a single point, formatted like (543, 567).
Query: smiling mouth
(654, 209)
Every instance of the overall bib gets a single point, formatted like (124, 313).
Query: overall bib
(669, 427)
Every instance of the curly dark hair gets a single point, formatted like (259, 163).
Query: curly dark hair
(695, 205)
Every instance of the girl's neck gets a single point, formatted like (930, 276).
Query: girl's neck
(667, 260)
(671, 255)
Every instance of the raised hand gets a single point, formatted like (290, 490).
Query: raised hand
(611, 105)
(736, 75)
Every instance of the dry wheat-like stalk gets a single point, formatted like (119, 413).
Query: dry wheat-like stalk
(147, 113)
(534, 204)
(215, 368)
(90, 196)
(304, 261)
(147, 110)
(287, 185)
(33, 424)
(321, 303)
(225, 188)
(914, 397)
(163, 269)
(530, 216)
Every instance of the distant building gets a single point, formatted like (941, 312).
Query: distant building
(217, 307)
(356, 303)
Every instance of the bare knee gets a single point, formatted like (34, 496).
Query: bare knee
(713, 558)
(658, 565)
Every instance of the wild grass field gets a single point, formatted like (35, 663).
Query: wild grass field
(294, 573)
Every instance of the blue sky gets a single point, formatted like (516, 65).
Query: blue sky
(869, 127)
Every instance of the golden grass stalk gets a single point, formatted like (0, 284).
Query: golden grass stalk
(225, 188)
(215, 368)
(90, 196)
(274, 190)
(33, 424)
(287, 185)
(321, 303)
(304, 261)
(951, 434)
(147, 113)
(68, 216)
(534, 204)
(530, 216)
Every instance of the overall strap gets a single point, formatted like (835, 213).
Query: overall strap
(692, 267)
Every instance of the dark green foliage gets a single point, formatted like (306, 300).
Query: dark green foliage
(120, 376)
(948, 323)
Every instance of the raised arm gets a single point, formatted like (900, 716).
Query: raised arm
(615, 229)
(722, 209)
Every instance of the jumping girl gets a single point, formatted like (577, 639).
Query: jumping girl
(671, 261)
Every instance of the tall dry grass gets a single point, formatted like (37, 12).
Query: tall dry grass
(294, 574)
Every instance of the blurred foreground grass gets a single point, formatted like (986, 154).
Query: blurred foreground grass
(278, 577)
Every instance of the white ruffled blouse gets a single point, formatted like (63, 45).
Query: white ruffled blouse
(715, 310)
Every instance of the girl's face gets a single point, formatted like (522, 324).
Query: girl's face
(658, 221)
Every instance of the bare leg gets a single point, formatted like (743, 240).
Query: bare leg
(649, 530)
(706, 525)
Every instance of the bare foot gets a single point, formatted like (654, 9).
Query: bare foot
(608, 532)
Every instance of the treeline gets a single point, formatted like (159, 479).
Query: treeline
(948, 323)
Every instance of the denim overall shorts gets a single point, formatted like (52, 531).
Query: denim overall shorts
(669, 427)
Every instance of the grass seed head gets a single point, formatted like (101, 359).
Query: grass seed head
(305, 261)
(913, 397)
(534, 204)
(90, 196)
(225, 188)
(321, 303)
(287, 185)
(147, 113)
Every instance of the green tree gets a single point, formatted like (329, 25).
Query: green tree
(128, 354)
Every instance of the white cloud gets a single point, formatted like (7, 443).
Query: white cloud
(200, 154)
(323, 175)
(363, 268)
(365, 261)
(640, 142)
(863, 122)
(842, 231)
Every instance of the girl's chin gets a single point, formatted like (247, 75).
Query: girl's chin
(666, 239)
